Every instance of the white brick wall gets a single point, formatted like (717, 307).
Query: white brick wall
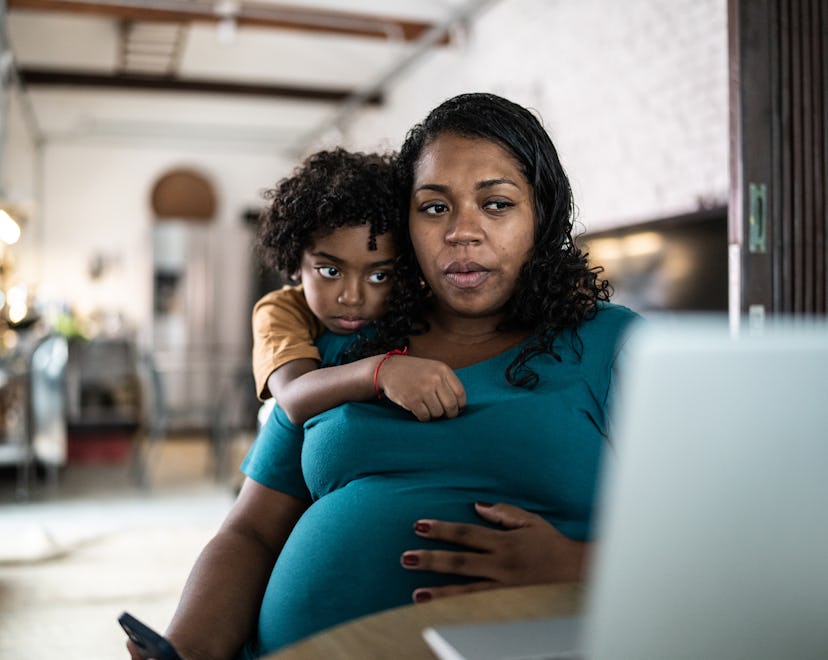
(634, 93)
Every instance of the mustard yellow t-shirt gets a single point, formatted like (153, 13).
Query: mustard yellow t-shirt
(284, 329)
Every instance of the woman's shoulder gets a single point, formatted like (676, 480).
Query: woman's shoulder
(332, 346)
(608, 326)
(612, 314)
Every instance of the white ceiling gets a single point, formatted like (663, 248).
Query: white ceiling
(53, 37)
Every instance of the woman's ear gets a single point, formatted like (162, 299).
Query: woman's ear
(296, 277)
(424, 287)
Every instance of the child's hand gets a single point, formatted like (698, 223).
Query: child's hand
(427, 388)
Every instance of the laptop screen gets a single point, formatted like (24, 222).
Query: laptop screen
(714, 514)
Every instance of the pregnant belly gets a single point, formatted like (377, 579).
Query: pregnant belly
(342, 560)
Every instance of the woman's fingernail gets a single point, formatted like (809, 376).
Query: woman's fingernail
(422, 527)
(422, 596)
(485, 505)
(410, 560)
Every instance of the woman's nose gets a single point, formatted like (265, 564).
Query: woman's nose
(351, 292)
(465, 226)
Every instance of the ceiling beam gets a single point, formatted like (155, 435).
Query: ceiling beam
(247, 14)
(68, 78)
(462, 15)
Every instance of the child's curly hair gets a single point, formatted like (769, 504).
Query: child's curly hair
(330, 189)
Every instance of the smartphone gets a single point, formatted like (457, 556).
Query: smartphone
(150, 643)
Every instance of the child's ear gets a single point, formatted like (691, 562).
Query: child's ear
(296, 277)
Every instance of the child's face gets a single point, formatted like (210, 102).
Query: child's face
(346, 284)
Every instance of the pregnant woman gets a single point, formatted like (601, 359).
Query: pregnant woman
(365, 507)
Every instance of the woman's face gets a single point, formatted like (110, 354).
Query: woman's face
(472, 223)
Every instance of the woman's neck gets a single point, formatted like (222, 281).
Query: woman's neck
(461, 342)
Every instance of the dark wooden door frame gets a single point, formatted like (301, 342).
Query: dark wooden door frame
(778, 66)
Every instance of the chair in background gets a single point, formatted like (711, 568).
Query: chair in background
(153, 419)
(46, 410)
(105, 401)
(234, 419)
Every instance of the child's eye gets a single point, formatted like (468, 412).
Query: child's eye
(379, 277)
(328, 272)
(434, 208)
(497, 205)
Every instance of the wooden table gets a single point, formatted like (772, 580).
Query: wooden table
(397, 633)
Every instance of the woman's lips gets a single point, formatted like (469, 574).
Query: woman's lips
(466, 275)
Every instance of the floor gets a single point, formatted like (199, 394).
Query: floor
(73, 558)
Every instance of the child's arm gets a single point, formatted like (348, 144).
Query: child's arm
(284, 330)
(286, 366)
(286, 361)
(303, 390)
(427, 388)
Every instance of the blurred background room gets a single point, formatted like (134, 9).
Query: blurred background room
(136, 139)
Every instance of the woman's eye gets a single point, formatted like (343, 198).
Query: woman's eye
(328, 272)
(379, 277)
(497, 205)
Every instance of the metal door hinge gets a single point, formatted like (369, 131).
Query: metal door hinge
(757, 220)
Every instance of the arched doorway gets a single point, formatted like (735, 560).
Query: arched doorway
(185, 305)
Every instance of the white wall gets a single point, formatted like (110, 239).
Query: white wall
(97, 203)
(17, 161)
(633, 92)
(18, 178)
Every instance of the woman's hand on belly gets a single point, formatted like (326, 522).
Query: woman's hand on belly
(527, 550)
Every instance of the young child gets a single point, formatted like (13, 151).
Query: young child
(330, 227)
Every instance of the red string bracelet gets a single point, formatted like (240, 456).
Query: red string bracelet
(396, 351)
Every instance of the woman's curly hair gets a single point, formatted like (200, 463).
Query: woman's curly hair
(557, 289)
(329, 190)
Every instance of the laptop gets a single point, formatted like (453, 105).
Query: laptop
(713, 510)
(532, 639)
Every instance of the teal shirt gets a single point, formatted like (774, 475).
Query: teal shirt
(371, 470)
